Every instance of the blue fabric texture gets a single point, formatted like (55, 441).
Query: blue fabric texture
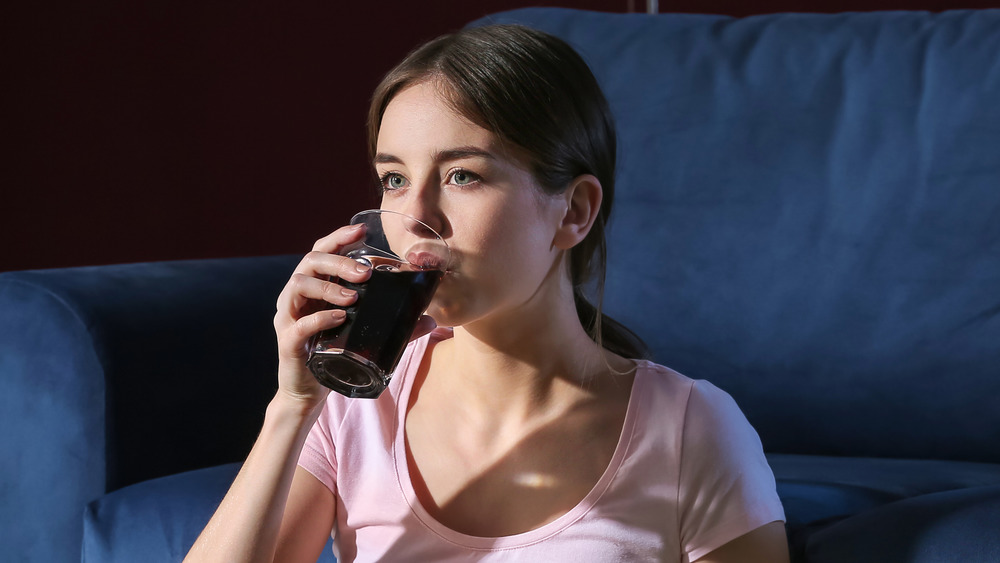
(158, 520)
(52, 446)
(818, 491)
(808, 215)
(97, 365)
(947, 527)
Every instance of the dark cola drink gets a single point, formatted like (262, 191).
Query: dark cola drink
(357, 358)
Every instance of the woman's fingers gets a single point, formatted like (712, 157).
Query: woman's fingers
(335, 241)
(309, 304)
(308, 287)
(292, 339)
(322, 264)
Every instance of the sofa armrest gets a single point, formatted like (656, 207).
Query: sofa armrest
(112, 375)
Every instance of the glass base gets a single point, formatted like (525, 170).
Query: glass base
(347, 373)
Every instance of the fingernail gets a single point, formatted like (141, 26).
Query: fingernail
(361, 268)
(348, 292)
(338, 314)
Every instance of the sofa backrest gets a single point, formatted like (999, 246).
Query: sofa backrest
(808, 215)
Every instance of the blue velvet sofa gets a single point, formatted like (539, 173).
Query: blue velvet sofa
(808, 215)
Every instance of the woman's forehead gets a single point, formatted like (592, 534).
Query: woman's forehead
(421, 115)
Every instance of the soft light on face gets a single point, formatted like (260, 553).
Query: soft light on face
(454, 176)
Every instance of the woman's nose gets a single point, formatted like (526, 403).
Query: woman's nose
(425, 206)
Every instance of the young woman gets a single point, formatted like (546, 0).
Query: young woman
(524, 426)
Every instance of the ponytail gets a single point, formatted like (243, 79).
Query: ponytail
(607, 332)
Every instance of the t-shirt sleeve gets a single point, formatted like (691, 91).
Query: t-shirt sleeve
(318, 455)
(726, 488)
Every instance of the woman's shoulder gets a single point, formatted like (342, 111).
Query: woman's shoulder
(695, 398)
(659, 380)
(710, 420)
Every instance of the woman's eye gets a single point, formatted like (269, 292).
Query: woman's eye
(462, 178)
(393, 181)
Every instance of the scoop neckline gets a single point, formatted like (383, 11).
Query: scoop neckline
(522, 539)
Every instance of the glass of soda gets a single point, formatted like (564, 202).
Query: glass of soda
(408, 259)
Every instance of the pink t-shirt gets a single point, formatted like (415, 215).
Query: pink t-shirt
(688, 476)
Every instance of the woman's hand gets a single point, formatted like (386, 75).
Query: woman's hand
(303, 310)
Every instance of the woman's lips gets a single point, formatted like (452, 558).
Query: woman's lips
(426, 261)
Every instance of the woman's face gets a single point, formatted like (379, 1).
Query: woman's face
(453, 175)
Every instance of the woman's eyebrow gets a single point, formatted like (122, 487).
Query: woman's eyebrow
(383, 158)
(448, 155)
(463, 152)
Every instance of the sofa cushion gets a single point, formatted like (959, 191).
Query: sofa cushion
(819, 491)
(816, 489)
(816, 504)
(157, 520)
(949, 527)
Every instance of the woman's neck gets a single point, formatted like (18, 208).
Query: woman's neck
(532, 363)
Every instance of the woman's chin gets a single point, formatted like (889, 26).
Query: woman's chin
(446, 314)
(440, 317)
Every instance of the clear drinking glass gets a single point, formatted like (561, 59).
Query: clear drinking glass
(408, 259)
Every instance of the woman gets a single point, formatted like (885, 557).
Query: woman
(528, 429)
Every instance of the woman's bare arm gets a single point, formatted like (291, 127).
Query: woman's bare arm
(310, 514)
(246, 525)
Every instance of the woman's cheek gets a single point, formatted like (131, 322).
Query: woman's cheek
(500, 259)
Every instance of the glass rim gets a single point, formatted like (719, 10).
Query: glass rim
(358, 219)
(391, 212)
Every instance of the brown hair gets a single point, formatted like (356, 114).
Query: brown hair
(532, 91)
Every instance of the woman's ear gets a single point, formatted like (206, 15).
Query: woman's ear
(583, 202)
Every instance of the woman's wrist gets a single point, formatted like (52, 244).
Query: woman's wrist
(287, 408)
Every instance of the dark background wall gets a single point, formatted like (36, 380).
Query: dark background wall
(156, 130)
